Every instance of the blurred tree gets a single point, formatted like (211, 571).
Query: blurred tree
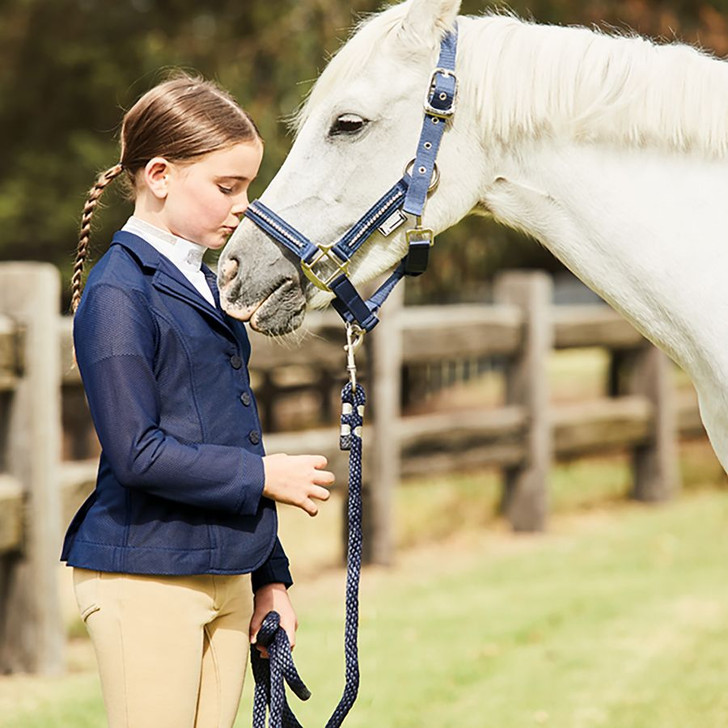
(68, 69)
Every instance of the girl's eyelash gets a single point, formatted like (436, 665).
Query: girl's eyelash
(225, 190)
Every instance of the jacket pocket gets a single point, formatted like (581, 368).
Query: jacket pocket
(158, 524)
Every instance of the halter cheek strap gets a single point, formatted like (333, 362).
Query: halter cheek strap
(327, 266)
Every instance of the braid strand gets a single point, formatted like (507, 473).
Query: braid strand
(103, 180)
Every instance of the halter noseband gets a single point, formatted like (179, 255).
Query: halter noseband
(327, 266)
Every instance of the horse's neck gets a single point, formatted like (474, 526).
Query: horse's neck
(646, 230)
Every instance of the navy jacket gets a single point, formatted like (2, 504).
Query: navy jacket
(180, 480)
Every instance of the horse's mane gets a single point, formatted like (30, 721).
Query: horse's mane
(529, 80)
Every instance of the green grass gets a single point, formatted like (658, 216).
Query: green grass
(617, 617)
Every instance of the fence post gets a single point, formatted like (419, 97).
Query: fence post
(31, 626)
(655, 464)
(386, 369)
(525, 496)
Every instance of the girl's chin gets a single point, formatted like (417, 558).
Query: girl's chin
(215, 243)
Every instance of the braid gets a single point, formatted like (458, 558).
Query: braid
(103, 180)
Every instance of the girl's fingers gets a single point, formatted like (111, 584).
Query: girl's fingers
(320, 462)
(319, 493)
(309, 505)
(291, 632)
(323, 477)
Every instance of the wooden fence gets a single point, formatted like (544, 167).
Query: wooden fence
(40, 490)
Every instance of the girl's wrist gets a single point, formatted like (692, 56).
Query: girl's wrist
(274, 586)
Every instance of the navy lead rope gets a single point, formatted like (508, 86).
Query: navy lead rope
(406, 197)
(270, 674)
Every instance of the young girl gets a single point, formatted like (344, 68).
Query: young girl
(175, 554)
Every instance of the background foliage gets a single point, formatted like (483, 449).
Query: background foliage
(68, 69)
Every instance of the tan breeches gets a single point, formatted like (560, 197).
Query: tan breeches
(172, 650)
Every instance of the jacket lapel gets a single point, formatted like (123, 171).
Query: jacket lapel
(212, 282)
(169, 279)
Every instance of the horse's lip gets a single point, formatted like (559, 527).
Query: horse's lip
(241, 313)
(253, 319)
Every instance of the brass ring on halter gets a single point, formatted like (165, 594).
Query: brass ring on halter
(434, 180)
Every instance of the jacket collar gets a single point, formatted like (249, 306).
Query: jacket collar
(168, 278)
(185, 254)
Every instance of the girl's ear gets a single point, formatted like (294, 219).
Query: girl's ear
(428, 20)
(156, 176)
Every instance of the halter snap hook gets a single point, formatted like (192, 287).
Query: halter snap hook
(354, 339)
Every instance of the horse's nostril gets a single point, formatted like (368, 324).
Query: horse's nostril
(229, 270)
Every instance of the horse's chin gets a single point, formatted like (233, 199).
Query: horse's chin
(281, 312)
(271, 322)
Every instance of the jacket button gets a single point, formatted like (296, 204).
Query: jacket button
(236, 362)
(254, 437)
(245, 398)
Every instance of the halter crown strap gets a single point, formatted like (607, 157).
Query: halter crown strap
(439, 107)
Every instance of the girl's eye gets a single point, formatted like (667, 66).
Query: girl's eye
(225, 190)
(347, 124)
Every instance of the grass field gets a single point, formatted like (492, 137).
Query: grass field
(616, 617)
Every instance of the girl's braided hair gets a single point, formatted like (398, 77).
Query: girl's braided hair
(180, 119)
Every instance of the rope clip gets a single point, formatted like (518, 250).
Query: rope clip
(354, 339)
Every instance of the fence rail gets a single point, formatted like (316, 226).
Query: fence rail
(522, 437)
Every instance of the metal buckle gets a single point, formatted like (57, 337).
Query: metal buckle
(420, 235)
(326, 255)
(432, 110)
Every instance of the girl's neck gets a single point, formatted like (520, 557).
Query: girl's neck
(150, 209)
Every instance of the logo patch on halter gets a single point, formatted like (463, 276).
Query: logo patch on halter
(396, 219)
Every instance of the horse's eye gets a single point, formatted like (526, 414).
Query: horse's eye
(347, 124)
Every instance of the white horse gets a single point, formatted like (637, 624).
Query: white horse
(611, 151)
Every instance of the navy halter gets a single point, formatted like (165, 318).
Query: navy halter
(326, 266)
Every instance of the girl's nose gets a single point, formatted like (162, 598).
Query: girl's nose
(240, 206)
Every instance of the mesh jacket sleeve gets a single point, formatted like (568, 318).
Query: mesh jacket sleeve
(274, 571)
(114, 337)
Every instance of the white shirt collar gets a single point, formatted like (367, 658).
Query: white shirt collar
(185, 254)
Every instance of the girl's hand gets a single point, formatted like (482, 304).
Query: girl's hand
(273, 597)
(297, 480)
